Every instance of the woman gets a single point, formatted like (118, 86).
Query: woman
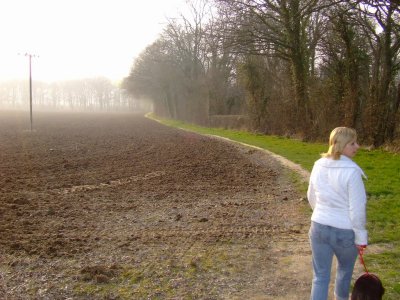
(337, 196)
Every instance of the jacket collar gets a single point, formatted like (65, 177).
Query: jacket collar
(343, 162)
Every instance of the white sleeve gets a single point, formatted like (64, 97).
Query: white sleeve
(357, 207)
(311, 191)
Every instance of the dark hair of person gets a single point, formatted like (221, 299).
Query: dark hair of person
(368, 287)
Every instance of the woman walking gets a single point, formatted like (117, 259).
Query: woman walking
(337, 196)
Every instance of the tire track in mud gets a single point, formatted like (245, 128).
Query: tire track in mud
(110, 183)
(222, 232)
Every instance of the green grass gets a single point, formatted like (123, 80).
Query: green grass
(383, 189)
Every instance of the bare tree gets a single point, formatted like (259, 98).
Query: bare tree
(152, 76)
(381, 23)
(187, 38)
(283, 29)
(344, 55)
(172, 70)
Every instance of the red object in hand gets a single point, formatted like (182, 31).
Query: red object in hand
(361, 248)
(360, 252)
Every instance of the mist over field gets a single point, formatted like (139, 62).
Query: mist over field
(94, 94)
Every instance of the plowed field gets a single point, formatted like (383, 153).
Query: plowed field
(117, 206)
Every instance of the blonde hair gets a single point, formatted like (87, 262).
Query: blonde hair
(338, 139)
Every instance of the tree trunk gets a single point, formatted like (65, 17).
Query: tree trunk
(384, 101)
(392, 116)
(301, 95)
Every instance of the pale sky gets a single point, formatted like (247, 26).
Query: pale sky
(77, 39)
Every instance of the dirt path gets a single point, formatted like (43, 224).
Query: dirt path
(117, 206)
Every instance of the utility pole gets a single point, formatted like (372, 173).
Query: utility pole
(30, 85)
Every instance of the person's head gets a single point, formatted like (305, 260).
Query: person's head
(342, 140)
(368, 287)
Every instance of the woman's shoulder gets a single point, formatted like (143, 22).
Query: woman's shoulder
(344, 163)
(353, 167)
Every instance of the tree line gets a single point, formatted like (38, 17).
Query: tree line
(294, 67)
(91, 94)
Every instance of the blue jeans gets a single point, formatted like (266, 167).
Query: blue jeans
(327, 241)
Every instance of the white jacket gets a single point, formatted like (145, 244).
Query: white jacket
(337, 196)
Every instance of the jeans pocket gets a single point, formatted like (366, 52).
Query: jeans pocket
(319, 233)
(345, 238)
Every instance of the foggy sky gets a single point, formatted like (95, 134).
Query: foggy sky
(78, 39)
